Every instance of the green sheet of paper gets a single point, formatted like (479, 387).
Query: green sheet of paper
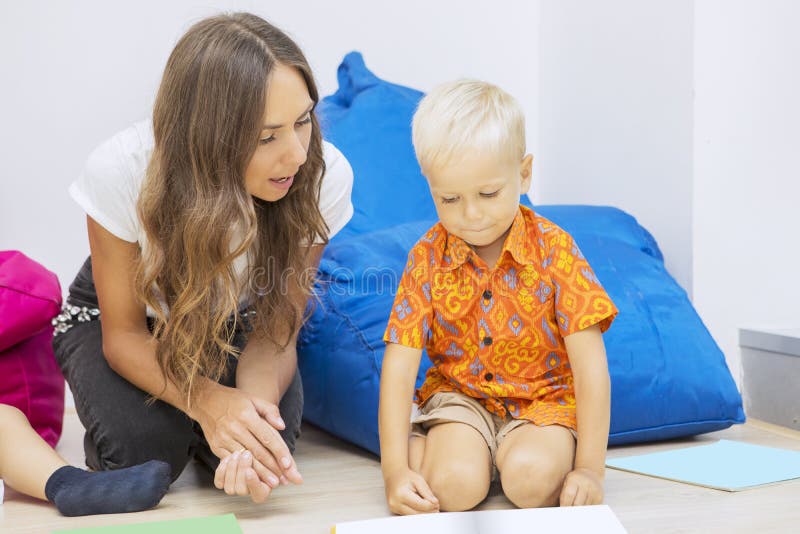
(215, 524)
(726, 465)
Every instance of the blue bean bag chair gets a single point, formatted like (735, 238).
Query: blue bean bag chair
(669, 378)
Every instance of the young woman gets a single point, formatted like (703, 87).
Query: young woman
(179, 333)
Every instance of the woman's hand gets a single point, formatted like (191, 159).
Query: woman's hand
(233, 420)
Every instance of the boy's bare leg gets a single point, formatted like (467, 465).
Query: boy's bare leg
(533, 462)
(26, 460)
(456, 464)
(416, 451)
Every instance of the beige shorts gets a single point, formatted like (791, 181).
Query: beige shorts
(452, 407)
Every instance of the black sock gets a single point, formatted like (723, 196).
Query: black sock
(78, 492)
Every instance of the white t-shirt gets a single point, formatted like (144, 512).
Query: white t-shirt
(108, 188)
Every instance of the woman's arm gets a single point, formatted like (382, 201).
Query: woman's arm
(587, 357)
(128, 345)
(231, 420)
(264, 369)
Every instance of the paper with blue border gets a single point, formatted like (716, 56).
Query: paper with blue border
(724, 465)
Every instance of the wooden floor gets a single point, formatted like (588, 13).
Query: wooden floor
(343, 483)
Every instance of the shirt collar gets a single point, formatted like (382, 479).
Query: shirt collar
(518, 244)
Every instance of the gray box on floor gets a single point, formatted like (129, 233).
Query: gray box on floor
(771, 375)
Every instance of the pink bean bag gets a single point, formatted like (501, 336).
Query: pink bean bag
(30, 296)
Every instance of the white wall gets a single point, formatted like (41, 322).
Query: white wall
(615, 89)
(76, 72)
(607, 88)
(746, 167)
(616, 114)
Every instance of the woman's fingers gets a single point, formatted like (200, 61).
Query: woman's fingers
(254, 429)
(267, 475)
(265, 464)
(270, 412)
(262, 455)
(273, 442)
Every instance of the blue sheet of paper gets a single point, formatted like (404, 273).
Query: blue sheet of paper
(726, 465)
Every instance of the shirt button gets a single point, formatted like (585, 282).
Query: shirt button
(487, 341)
(487, 294)
(488, 377)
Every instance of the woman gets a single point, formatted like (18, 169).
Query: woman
(203, 227)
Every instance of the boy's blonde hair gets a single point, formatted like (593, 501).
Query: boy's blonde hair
(467, 115)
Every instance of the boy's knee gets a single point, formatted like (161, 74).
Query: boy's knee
(459, 487)
(531, 482)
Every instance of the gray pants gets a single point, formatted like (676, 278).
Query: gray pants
(121, 428)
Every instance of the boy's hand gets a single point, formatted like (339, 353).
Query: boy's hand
(408, 493)
(582, 487)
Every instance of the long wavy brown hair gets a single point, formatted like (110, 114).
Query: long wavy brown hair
(195, 210)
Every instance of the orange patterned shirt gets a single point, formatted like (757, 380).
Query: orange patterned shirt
(498, 334)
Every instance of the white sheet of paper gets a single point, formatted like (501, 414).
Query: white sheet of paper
(596, 519)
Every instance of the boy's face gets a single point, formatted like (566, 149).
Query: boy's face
(477, 195)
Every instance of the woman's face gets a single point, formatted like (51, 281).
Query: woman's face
(283, 143)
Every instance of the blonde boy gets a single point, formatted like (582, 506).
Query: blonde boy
(511, 315)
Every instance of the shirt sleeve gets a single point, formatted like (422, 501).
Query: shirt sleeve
(337, 185)
(105, 191)
(412, 311)
(580, 299)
